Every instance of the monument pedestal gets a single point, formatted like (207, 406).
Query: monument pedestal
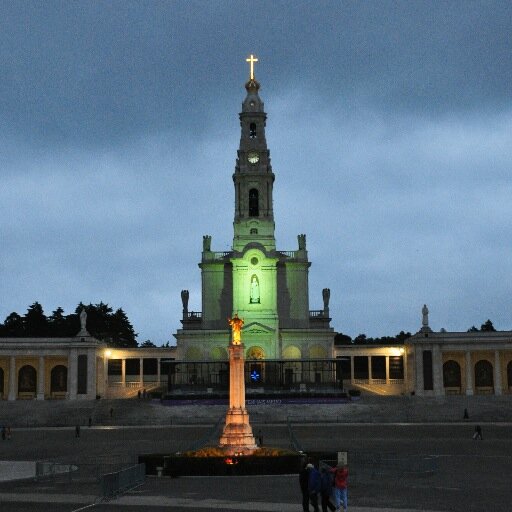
(237, 435)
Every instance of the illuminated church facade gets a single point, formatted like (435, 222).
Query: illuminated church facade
(267, 287)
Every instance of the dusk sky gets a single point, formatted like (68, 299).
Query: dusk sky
(389, 128)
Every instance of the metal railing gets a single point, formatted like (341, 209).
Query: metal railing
(115, 483)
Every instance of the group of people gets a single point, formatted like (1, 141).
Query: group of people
(326, 484)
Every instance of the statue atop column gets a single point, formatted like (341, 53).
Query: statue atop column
(326, 295)
(302, 242)
(83, 323)
(424, 312)
(207, 243)
(184, 301)
(236, 328)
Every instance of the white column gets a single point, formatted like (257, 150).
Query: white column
(105, 376)
(418, 355)
(369, 369)
(352, 370)
(469, 374)
(158, 371)
(40, 379)
(497, 373)
(437, 370)
(123, 372)
(72, 373)
(91, 373)
(387, 370)
(141, 371)
(13, 382)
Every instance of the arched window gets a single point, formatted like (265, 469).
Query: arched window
(483, 374)
(254, 209)
(27, 379)
(59, 379)
(252, 131)
(451, 374)
(254, 231)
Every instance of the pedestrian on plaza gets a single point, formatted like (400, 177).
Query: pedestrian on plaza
(340, 486)
(326, 489)
(77, 431)
(260, 437)
(478, 433)
(111, 412)
(304, 487)
(8, 433)
(314, 485)
(138, 394)
(90, 422)
(3, 433)
(466, 414)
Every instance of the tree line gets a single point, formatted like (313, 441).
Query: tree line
(105, 324)
(362, 339)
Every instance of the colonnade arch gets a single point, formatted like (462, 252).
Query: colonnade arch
(27, 379)
(451, 374)
(484, 374)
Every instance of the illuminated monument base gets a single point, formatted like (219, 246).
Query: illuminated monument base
(237, 436)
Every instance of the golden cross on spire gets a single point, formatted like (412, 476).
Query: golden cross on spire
(251, 60)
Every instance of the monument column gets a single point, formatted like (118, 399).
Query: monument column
(141, 371)
(352, 370)
(13, 388)
(387, 370)
(237, 435)
(497, 373)
(40, 379)
(469, 374)
(158, 376)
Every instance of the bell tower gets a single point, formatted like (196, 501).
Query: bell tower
(253, 177)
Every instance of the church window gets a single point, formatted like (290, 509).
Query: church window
(252, 131)
(254, 209)
(451, 374)
(59, 379)
(27, 379)
(254, 231)
(254, 261)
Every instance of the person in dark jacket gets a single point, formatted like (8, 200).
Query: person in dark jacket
(304, 487)
(326, 489)
(314, 485)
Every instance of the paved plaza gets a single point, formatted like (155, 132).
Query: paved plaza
(466, 475)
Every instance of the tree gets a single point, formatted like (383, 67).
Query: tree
(147, 344)
(342, 339)
(487, 327)
(57, 324)
(361, 339)
(13, 326)
(35, 321)
(472, 329)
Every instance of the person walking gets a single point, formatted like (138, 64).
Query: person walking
(314, 485)
(304, 487)
(326, 490)
(77, 431)
(4, 433)
(340, 486)
(478, 433)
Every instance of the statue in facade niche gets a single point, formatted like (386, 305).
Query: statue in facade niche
(184, 300)
(302, 242)
(207, 242)
(236, 328)
(255, 290)
(326, 295)
(424, 312)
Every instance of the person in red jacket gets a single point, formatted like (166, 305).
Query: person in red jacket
(340, 487)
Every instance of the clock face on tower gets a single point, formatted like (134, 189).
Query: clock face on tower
(253, 158)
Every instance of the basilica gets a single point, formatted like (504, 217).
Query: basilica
(289, 348)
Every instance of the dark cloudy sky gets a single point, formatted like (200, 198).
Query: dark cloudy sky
(389, 127)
